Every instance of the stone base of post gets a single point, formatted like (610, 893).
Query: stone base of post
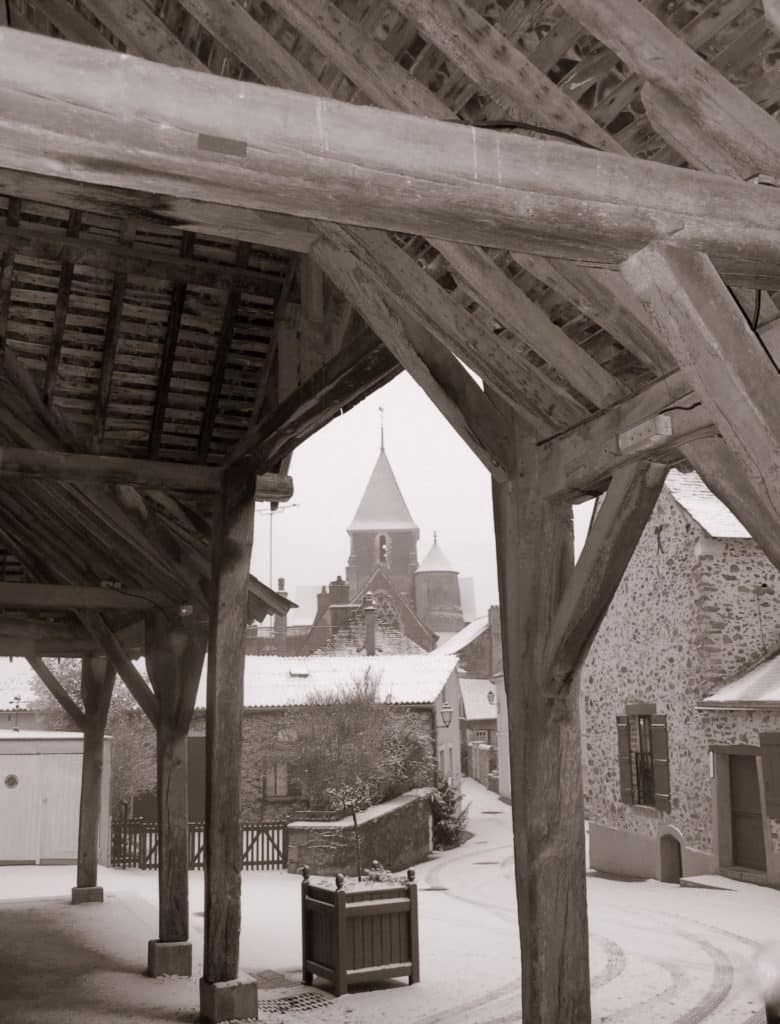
(228, 1000)
(86, 894)
(169, 958)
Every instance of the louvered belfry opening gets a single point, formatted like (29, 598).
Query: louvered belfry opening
(561, 219)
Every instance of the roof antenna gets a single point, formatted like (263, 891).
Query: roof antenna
(381, 428)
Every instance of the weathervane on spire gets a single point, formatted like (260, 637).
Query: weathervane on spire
(381, 428)
(435, 537)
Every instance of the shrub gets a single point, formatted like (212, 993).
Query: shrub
(449, 817)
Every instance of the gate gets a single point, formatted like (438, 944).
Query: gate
(135, 844)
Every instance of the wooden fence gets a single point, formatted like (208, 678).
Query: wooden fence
(135, 844)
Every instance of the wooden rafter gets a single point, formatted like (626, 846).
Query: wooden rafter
(111, 343)
(72, 25)
(420, 177)
(142, 32)
(58, 691)
(7, 267)
(40, 596)
(221, 359)
(60, 314)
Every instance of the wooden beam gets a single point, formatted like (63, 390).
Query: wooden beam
(97, 684)
(534, 540)
(291, 234)
(96, 626)
(60, 315)
(620, 521)
(175, 648)
(72, 467)
(536, 397)
(749, 135)
(357, 370)
(217, 378)
(41, 596)
(55, 246)
(487, 57)
(491, 287)
(7, 267)
(72, 25)
(110, 344)
(735, 378)
(465, 406)
(58, 691)
(232, 546)
(287, 153)
(143, 32)
(168, 356)
(578, 464)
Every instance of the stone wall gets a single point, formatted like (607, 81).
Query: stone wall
(398, 834)
(686, 618)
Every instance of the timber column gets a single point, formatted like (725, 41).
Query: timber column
(175, 646)
(534, 541)
(97, 684)
(223, 994)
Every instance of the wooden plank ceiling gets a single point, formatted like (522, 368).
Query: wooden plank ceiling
(161, 334)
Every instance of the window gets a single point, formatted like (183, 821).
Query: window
(643, 757)
(441, 761)
(451, 761)
(275, 779)
(382, 545)
(480, 735)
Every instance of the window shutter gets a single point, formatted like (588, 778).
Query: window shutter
(770, 766)
(659, 739)
(624, 760)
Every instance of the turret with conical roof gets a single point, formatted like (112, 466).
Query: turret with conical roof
(437, 592)
(382, 533)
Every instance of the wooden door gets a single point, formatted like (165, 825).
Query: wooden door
(20, 807)
(60, 776)
(747, 822)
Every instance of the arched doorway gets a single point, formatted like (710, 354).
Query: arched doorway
(671, 859)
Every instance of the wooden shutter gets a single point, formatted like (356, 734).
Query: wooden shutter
(659, 740)
(770, 766)
(624, 760)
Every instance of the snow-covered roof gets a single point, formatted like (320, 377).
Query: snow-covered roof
(759, 685)
(436, 560)
(382, 506)
(690, 491)
(476, 694)
(273, 681)
(463, 637)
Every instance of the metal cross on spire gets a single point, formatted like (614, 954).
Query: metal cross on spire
(381, 428)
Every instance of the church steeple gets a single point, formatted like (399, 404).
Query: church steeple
(382, 532)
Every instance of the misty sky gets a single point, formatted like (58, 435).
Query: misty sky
(445, 486)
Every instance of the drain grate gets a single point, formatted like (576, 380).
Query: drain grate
(300, 1002)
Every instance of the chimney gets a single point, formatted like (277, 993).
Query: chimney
(280, 624)
(339, 591)
(369, 616)
(323, 601)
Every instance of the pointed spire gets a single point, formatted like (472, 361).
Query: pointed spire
(436, 560)
(382, 506)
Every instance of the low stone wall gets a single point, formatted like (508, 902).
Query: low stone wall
(397, 834)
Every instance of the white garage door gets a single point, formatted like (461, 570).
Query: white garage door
(20, 807)
(61, 791)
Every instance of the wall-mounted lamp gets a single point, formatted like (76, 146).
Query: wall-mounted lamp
(445, 714)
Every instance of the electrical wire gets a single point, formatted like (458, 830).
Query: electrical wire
(508, 126)
(752, 323)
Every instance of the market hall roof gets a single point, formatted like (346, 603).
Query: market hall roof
(382, 506)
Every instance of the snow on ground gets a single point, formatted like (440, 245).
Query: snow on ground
(659, 953)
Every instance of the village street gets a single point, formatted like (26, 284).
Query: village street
(659, 953)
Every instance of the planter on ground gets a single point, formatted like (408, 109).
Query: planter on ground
(360, 935)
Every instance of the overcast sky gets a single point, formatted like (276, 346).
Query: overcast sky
(444, 484)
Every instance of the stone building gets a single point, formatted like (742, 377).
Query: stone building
(680, 737)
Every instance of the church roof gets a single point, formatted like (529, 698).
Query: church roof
(436, 560)
(382, 506)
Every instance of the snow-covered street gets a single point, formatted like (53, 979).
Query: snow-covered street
(659, 953)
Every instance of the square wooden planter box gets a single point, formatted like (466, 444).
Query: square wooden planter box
(361, 935)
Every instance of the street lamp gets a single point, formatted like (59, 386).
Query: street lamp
(445, 714)
(271, 512)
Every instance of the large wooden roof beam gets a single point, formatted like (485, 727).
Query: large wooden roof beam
(61, 107)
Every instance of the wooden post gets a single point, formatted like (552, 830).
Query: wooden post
(97, 684)
(223, 995)
(534, 541)
(175, 647)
